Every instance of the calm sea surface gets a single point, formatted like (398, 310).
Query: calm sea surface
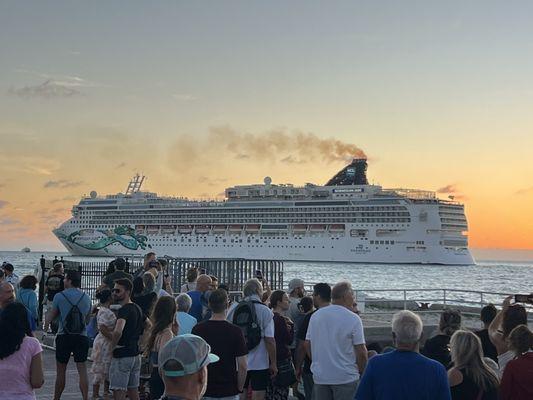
(486, 275)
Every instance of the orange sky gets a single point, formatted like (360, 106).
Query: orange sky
(200, 96)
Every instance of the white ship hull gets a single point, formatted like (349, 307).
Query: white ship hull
(317, 247)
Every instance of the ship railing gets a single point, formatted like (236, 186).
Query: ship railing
(426, 300)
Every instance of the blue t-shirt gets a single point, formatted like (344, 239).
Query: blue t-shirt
(197, 309)
(63, 306)
(186, 322)
(403, 375)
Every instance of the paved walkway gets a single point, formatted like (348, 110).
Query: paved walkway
(72, 391)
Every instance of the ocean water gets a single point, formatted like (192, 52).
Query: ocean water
(486, 275)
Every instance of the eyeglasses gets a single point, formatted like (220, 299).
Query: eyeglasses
(116, 291)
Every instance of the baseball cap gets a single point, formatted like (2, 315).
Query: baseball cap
(295, 283)
(191, 352)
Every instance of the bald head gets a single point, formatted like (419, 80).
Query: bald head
(7, 293)
(203, 283)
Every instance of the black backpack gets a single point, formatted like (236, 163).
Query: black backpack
(54, 283)
(245, 318)
(74, 323)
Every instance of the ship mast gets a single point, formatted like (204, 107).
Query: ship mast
(135, 184)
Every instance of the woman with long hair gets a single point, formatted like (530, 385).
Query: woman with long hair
(518, 375)
(21, 363)
(164, 328)
(438, 347)
(27, 296)
(500, 328)
(470, 377)
(102, 347)
(278, 388)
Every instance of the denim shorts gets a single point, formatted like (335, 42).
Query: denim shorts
(124, 373)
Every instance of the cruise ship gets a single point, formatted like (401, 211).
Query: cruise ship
(345, 220)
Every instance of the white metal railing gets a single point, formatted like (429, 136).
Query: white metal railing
(425, 300)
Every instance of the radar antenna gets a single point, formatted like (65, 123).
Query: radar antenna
(135, 184)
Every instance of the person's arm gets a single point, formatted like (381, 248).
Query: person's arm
(33, 305)
(358, 337)
(36, 371)
(361, 357)
(117, 332)
(495, 335)
(300, 356)
(50, 317)
(242, 369)
(270, 344)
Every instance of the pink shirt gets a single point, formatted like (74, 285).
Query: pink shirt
(15, 371)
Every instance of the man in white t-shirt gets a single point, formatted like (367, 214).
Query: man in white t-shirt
(338, 352)
(261, 360)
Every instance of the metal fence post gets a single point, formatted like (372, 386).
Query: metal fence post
(405, 299)
(444, 294)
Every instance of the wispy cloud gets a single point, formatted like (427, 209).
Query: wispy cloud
(49, 89)
(61, 184)
(292, 160)
(524, 191)
(8, 221)
(3, 203)
(64, 199)
(211, 181)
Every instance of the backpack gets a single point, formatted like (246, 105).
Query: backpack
(54, 283)
(245, 318)
(74, 322)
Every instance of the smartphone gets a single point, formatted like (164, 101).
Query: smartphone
(258, 274)
(523, 298)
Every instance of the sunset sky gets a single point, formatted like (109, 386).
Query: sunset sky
(203, 95)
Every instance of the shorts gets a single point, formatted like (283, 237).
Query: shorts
(71, 344)
(125, 373)
(258, 379)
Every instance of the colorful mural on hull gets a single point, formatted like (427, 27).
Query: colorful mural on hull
(99, 239)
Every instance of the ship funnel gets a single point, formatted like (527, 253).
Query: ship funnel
(353, 174)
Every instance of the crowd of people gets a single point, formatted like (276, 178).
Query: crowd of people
(205, 342)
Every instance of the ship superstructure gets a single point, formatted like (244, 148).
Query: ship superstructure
(346, 220)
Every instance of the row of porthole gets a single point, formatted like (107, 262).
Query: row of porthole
(269, 246)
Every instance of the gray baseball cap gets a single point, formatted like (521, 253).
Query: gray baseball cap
(190, 352)
(295, 283)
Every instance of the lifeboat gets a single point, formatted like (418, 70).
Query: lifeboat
(335, 228)
(317, 227)
(168, 229)
(252, 228)
(202, 229)
(185, 229)
(235, 228)
(219, 228)
(299, 228)
(152, 229)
